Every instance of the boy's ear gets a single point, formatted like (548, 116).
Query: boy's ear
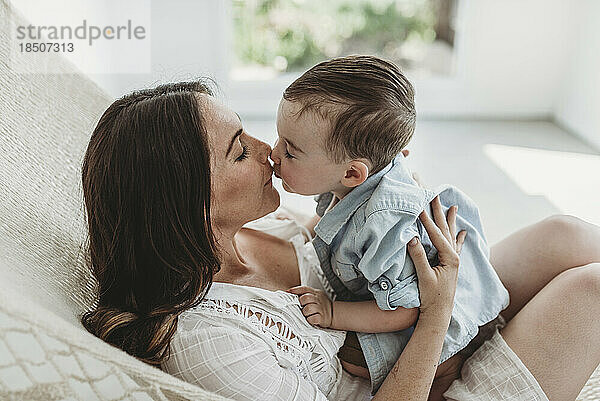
(356, 173)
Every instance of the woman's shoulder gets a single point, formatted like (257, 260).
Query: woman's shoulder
(289, 231)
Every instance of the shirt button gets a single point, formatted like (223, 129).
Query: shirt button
(384, 285)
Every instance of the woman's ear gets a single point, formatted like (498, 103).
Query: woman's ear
(356, 173)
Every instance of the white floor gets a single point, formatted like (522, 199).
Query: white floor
(517, 172)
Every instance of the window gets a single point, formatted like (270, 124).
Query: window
(272, 38)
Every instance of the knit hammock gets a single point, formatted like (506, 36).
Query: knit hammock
(45, 286)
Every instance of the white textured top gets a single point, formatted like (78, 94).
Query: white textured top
(249, 343)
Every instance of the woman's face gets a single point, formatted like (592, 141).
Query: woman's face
(241, 182)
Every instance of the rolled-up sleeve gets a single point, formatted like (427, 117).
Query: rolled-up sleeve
(381, 248)
(235, 365)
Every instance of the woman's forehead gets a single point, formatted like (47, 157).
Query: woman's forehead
(220, 121)
(216, 112)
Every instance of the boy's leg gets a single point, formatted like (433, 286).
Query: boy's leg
(530, 258)
(450, 369)
(446, 373)
(352, 357)
(356, 370)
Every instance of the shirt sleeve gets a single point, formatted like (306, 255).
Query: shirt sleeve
(381, 247)
(237, 366)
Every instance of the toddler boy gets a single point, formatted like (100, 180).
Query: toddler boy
(341, 127)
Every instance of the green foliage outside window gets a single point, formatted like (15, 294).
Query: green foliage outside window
(290, 35)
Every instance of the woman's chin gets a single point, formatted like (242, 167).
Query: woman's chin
(274, 199)
(270, 204)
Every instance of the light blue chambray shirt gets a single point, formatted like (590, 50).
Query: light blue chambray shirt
(361, 244)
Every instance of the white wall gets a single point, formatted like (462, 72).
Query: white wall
(89, 53)
(527, 59)
(531, 59)
(188, 38)
(511, 57)
(577, 106)
(188, 41)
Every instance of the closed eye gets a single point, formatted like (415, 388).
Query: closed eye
(244, 155)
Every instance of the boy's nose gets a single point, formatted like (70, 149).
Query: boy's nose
(274, 157)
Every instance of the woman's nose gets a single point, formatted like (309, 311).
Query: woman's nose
(265, 152)
(274, 156)
(274, 159)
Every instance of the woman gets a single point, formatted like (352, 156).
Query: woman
(170, 178)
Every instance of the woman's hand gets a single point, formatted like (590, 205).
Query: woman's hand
(437, 285)
(413, 373)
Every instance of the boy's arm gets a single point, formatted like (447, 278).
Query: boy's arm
(379, 254)
(364, 316)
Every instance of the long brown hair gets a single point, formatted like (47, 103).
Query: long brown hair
(146, 185)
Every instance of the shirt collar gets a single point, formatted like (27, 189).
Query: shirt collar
(332, 221)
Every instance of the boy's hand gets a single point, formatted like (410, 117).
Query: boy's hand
(316, 307)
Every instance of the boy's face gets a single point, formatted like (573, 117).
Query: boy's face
(299, 155)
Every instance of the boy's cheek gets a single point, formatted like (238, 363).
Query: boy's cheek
(287, 188)
(291, 181)
(301, 181)
(287, 179)
(309, 185)
(293, 184)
